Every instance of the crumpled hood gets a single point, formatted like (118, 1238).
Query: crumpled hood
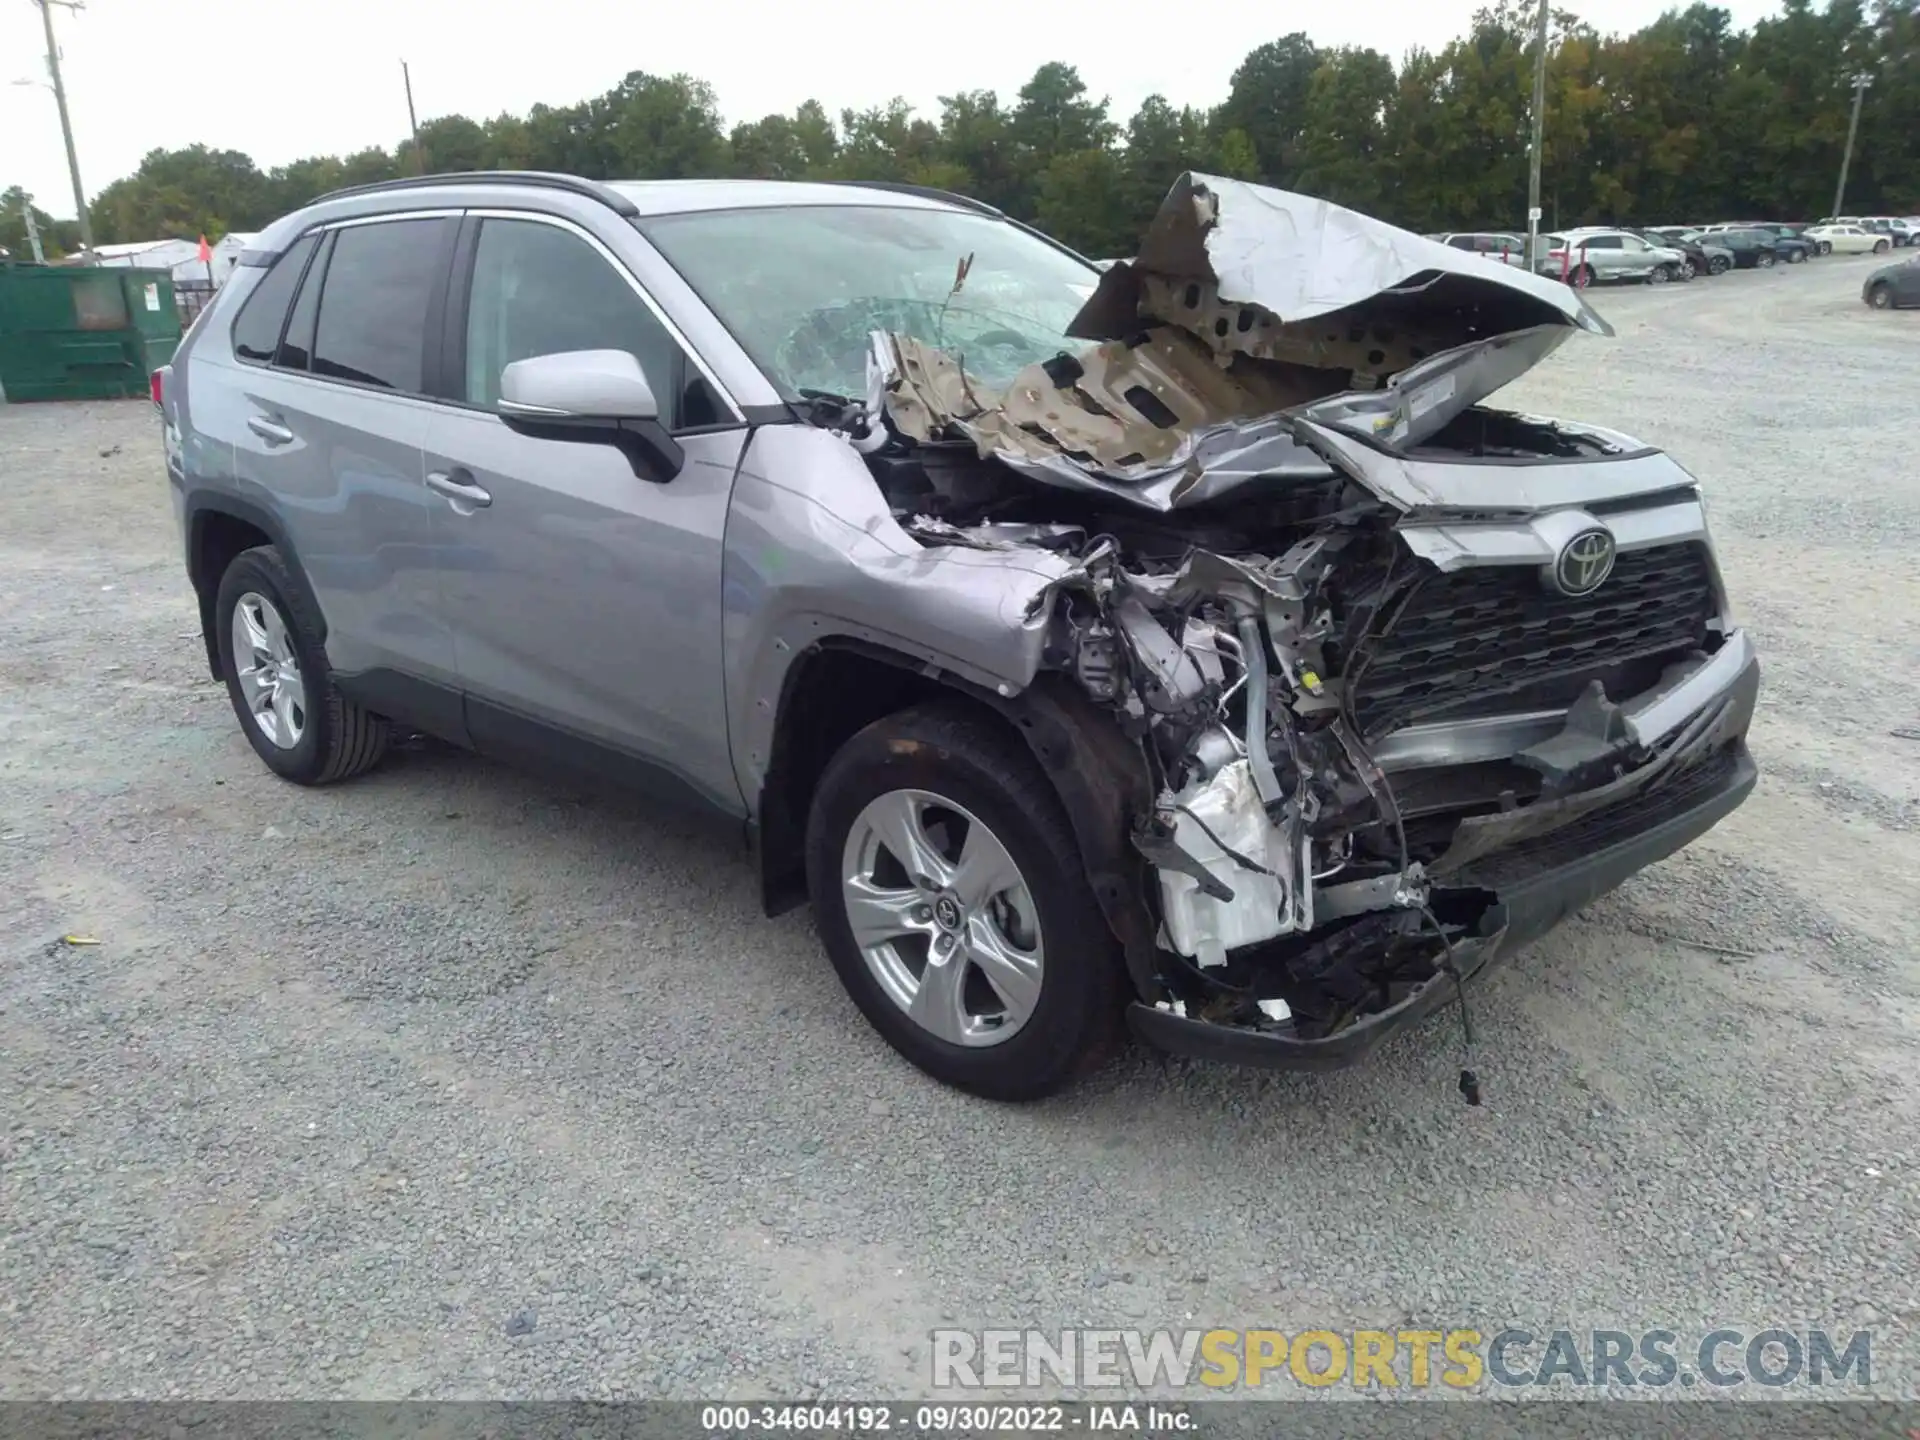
(1244, 306)
(1296, 258)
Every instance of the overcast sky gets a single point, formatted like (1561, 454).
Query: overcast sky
(282, 79)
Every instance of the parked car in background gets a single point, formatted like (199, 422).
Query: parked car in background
(1590, 256)
(1882, 225)
(1702, 257)
(1785, 245)
(1752, 249)
(1850, 238)
(1894, 287)
(1500, 245)
(1788, 232)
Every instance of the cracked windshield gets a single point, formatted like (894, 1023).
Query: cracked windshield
(803, 288)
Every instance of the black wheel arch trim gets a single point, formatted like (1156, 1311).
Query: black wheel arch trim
(1098, 774)
(199, 506)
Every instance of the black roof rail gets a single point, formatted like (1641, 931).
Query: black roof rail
(925, 192)
(540, 179)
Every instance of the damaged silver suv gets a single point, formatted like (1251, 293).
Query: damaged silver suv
(1182, 639)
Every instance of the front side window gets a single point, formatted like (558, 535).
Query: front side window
(541, 290)
(802, 287)
(372, 327)
(256, 329)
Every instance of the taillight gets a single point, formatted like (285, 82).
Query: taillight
(157, 386)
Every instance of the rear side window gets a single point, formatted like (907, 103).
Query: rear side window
(1462, 242)
(256, 330)
(296, 346)
(372, 325)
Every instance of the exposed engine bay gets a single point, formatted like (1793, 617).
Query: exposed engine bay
(1343, 609)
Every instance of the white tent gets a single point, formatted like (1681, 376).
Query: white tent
(181, 257)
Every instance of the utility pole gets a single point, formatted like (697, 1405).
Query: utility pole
(1539, 137)
(66, 122)
(33, 232)
(1860, 84)
(406, 78)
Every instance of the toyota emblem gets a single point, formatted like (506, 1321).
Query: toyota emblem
(1584, 563)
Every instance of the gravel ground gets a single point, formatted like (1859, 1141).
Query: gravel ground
(450, 1083)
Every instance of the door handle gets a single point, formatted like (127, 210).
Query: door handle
(271, 431)
(458, 486)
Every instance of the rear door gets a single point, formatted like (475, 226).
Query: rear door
(1606, 254)
(335, 418)
(585, 599)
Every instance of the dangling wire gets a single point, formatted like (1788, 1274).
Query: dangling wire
(1469, 1082)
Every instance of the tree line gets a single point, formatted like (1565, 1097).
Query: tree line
(1687, 119)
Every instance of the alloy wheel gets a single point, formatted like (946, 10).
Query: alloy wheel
(269, 670)
(942, 917)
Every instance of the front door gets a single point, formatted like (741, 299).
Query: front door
(585, 599)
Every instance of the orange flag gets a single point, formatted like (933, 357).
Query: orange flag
(206, 250)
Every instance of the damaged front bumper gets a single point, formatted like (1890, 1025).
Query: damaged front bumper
(1548, 862)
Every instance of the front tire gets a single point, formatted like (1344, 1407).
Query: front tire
(950, 896)
(1719, 265)
(1659, 275)
(1880, 297)
(1795, 257)
(277, 677)
(1881, 247)
(1826, 247)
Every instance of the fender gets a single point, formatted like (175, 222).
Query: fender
(1095, 770)
(199, 506)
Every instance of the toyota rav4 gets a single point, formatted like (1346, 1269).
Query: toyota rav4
(1182, 639)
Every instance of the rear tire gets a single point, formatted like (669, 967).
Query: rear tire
(952, 771)
(1583, 277)
(1766, 259)
(303, 728)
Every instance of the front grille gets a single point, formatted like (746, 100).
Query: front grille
(1495, 633)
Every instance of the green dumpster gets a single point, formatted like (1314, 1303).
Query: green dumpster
(82, 332)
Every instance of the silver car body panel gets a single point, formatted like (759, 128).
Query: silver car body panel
(813, 554)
